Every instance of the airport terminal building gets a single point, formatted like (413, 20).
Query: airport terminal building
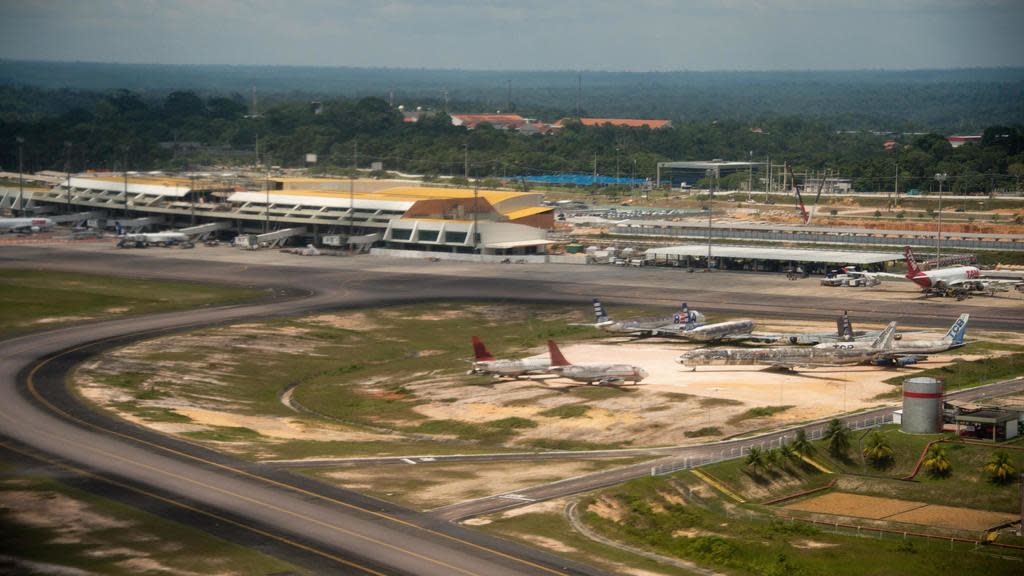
(393, 214)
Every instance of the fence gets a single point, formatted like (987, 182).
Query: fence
(740, 448)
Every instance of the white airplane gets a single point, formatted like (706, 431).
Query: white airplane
(686, 324)
(956, 281)
(25, 225)
(790, 357)
(485, 363)
(912, 351)
(143, 239)
(660, 325)
(844, 333)
(602, 374)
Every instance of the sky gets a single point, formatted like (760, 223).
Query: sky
(614, 35)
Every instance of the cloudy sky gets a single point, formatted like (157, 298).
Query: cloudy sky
(634, 35)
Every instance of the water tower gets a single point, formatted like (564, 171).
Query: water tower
(922, 406)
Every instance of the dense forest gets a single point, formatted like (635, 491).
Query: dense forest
(195, 129)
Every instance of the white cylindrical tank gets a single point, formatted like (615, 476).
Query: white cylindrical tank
(922, 406)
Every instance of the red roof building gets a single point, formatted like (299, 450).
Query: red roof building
(628, 122)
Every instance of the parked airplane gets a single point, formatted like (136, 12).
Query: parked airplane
(485, 363)
(912, 351)
(659, 325)
(143, 239)
(25, 225)
(956, 281)
(844, 333)
(590, 373)
(687, 325)
(790, 357)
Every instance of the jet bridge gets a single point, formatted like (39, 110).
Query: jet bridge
(202, 231)
(270, 239)
(133, 225)
(79, 217)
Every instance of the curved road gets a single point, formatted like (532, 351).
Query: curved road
(350, 532)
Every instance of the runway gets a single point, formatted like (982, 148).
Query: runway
(353, 533)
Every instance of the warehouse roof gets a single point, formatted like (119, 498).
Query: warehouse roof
(780, 254)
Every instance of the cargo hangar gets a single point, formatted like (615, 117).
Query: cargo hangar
(395, 214)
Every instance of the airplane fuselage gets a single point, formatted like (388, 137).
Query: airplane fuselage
(602, 373)
(785, 356)
(945, 276)
(25, 224)
(718, 331)
(512, 368)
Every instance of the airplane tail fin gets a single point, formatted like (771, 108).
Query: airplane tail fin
(912, 269)
(556, 355)
(884, 340)
(599, 312)
(844, 328)
(956, 332)
(480, 351)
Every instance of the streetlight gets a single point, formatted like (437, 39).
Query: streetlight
(124, 168)
(941, 177)
(67, 168)
(710, 172)
(21, 183)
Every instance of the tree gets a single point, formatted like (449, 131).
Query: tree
(838, 438)
(755, 459)
(936, 461)
(877, 448)
(801, 445)
(1000, 467)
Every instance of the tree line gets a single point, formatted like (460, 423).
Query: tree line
(184, 130)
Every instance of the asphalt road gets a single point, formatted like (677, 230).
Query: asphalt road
(355, 533)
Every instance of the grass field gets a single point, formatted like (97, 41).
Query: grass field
(663, 515)
(32, 300)
(64, 529)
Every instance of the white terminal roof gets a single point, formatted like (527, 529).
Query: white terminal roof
(339, 201)
(781, 254)
(111, 184)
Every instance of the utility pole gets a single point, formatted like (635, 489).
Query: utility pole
(711, 173)
(124, 168)
(595, 169)
(465, 161)
(67, 169)
(21, 180)
(941, 177)
(579, 88)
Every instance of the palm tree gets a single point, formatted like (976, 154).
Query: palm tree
(755, 459)
(936, 462)
(801, 445)
(838, 438)
(877, 448)
(1000, 467)
(787, 453)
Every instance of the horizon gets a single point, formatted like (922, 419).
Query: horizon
(527, 35)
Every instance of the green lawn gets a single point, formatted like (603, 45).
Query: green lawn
(31, 300)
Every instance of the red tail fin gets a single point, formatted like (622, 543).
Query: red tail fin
(912, 269)
(556, 355)
(482, 355)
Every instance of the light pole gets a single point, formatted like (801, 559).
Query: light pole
(67, 169)
(124, 168)
(616, 165)
(941, 177)
(21, 183)
(711, 172)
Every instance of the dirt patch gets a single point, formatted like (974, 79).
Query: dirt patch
(357, 322)
(907, 511)
(811, 544)
(607, 508)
